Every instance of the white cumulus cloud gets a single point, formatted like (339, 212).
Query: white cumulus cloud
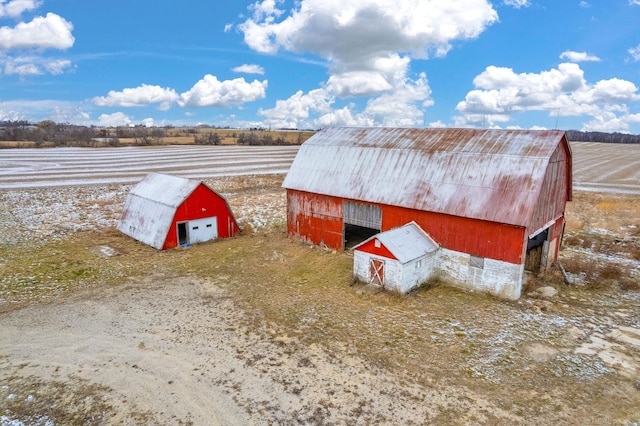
(295, 111)
(351, 30)
(139, 96)
(578, 56)
(48, 32)
(368, 43)
(114, 120)
(34, 65)
(369, 46)
(403, 107)
(14, 8)
(210, 92)
(500, 93)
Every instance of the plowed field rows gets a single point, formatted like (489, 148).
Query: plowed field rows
(599, 167)
(30, 168)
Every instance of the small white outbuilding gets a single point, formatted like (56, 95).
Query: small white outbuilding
(399, 259)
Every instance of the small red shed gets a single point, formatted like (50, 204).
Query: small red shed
(166, 211)
(494, 200)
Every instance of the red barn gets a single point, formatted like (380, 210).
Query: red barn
(494, 200)
(166, 211)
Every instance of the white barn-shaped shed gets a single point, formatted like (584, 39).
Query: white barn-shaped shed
(399, 259)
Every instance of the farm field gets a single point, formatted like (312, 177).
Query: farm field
(606, 167)
(260, 329)
(32, 168)
(599, 167)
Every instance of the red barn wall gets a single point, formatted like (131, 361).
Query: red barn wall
(477, 237)
(314, 218)
(317, 219)
(203, 203)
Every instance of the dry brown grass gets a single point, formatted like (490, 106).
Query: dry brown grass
(436, 335)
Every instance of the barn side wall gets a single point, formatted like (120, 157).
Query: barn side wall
(487, 239)
(317, 219)
(200, 204)
(501, 279)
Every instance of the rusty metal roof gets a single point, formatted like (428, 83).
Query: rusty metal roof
(151, 205)
(493, 175)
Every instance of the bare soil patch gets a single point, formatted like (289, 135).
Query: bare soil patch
(260, 329)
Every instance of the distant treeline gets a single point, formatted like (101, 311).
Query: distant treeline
(49, 133)
(576, 135)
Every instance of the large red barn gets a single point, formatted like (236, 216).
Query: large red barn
(166, 211)
(494, 200)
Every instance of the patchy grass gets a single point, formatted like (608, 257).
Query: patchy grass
(33, 401)
(437, 334)
(517, 355)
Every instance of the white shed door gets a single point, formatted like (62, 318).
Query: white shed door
(201, 230)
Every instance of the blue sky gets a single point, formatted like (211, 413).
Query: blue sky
(568, 64)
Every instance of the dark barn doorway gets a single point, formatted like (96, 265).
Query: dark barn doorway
(361, 221)
(536, 251)
(182, 233)
(354, 235)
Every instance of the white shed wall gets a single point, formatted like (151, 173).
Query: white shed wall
(397, 277)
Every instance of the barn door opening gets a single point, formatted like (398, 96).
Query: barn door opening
(376, 271)
(183, 237)
(536, 251)
(361, 221)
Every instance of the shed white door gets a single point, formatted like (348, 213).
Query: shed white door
(201, 230)
(376, 271)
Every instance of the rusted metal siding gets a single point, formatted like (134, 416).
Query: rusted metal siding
(555, 189)
(315, 219)
(490, 175)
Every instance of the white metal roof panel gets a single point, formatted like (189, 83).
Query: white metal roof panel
(165, 189)
(151, 205)
(492, 175)
(406, 243)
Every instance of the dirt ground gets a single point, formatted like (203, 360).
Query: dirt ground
(260, 329)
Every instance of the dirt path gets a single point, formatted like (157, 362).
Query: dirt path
(170, 352)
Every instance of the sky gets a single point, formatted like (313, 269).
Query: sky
(309, 64)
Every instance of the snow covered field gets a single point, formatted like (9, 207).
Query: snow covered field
(32, 168)
(606, 167)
